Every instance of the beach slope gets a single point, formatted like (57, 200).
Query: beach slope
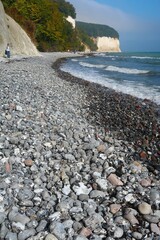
(73, 165)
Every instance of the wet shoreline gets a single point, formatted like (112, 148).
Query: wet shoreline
(127, 117)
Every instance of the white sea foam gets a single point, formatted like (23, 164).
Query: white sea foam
(100, 54)
(91, 65)
(136, 57)
(128, 87)
(74, 60)
(125, 70)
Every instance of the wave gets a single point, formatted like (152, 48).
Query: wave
(74, 60)
(126, 70)
(129, 87)
(136, 57)
(100, 54)
(91, 65)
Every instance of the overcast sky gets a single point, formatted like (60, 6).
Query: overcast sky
(137, 21)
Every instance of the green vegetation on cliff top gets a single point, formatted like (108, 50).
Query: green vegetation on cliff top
(97, 30)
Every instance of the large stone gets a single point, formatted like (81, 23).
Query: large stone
(97, 194)
(2, 217)
(132, 219)
(58, 230)
(81, 189)
(11, 236)
(144, 208)
(86, 232)
(94, 221)
(51, 237)
(115, 208)
(114, 180)
(155, 229)
(26, 234)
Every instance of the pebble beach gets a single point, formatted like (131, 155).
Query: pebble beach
(77, 161)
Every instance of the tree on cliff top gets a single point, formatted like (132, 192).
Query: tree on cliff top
(97, 30)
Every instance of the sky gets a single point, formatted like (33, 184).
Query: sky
(136, 21)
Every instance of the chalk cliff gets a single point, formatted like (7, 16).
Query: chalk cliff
(107, 44)
(12, 33)
(72, 21)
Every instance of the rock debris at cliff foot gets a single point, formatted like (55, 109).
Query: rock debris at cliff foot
(62, 175)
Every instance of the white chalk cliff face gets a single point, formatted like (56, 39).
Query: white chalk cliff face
(107, 44)
(72, 21)
(12, 33)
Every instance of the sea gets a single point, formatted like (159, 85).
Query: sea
(137, 74)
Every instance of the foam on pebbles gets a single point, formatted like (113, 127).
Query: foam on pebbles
(63, 174)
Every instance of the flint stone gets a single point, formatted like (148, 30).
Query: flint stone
(19, 108)
(155, 228)
(26, 234)
(77, 226)
(69, 157)
(83, 197)
(39, 236)
(96, 194)
(157, 213)
(154, 195)
(25, 194)
(58, 230)
(97, 175)
(2, 217)
(68, 224)
(131, 211)
(144, 208)
(85, 232)
(137, 235)
(132, 219)
(76, 210)
(110, 150)
(28, 162)
(22, 218)
(114, 208)
(54, 216)
(45, 195)
(113, 179)
(118, 233)
(109, 170)
(94, 221)
(145, 182)
(81, 189)
(41, 226)
(151, 218)
(66, 190)
(51, 237)
(26, 203)
(130, 198)
(96, 237)
(90, 207)
(32, 224)
(102, 183)
(81, 238)
(17, 226)
(101, 148)
(3, 231)
(11, 236)
(136, 167)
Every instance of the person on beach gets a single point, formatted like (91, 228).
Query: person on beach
(7, 51)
